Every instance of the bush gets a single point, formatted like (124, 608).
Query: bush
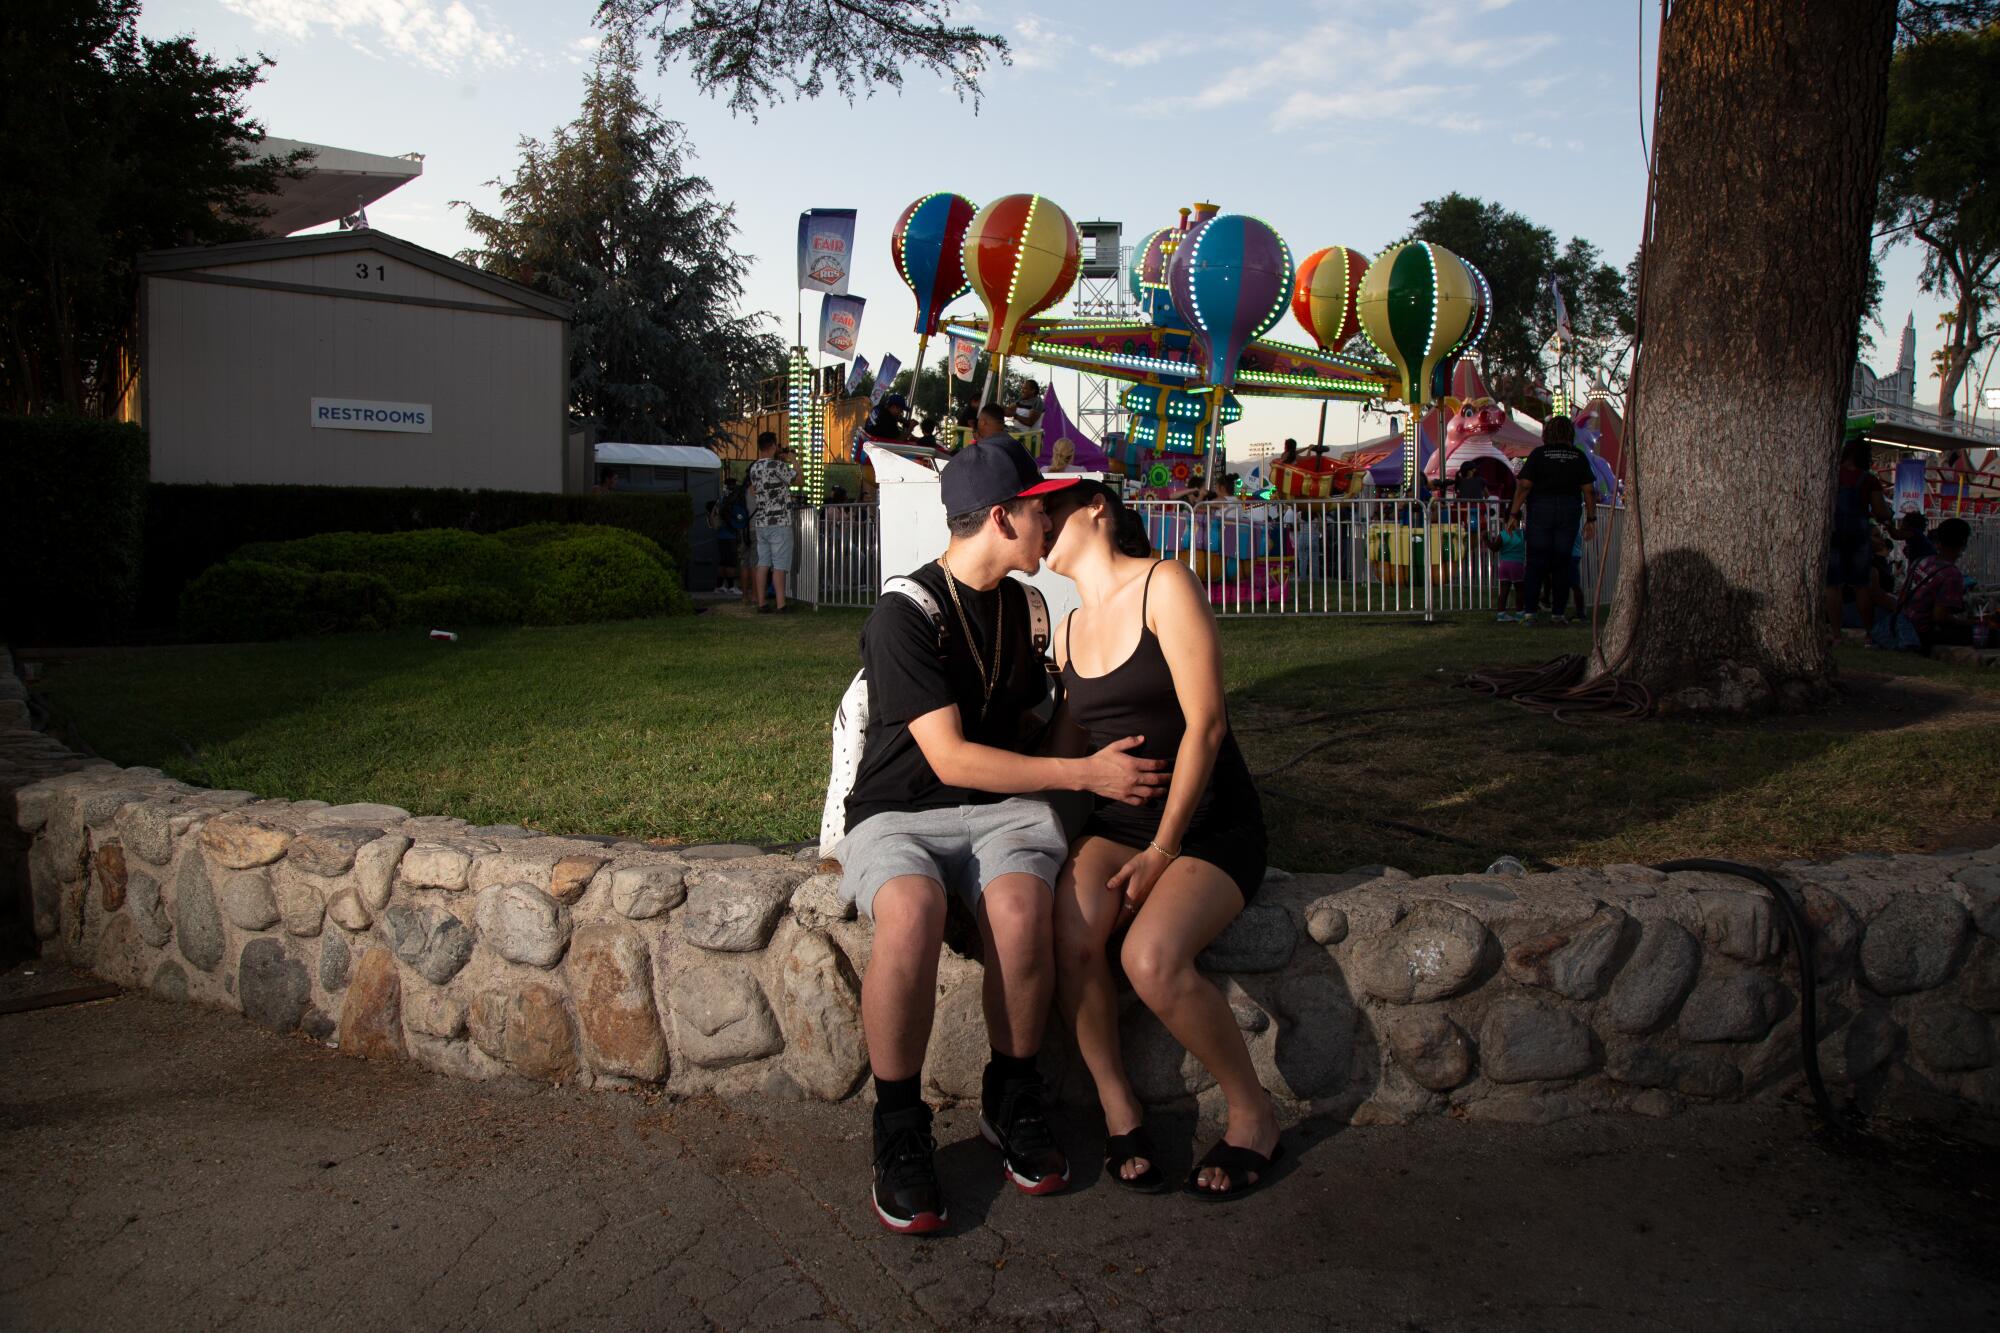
(189, 528)
(410, 562)
(73, 511)
(541, 534)
(253, 599)
(599, 577)
(450, 604)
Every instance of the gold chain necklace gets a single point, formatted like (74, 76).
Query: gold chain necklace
(999, 619)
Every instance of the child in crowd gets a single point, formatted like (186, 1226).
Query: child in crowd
(1510, 569)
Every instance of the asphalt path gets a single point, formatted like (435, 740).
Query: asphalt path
(166, 1167)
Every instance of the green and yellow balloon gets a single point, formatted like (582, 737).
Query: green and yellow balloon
(1421, 305)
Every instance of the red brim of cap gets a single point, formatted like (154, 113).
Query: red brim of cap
(1051, 484)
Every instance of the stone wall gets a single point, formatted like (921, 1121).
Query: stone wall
(494, 952)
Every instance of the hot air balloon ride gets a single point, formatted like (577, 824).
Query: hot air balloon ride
(928, 247)
(1421, 305)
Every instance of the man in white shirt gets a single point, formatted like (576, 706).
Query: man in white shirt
(770, 499)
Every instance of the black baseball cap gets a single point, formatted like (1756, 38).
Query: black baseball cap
(992, 472)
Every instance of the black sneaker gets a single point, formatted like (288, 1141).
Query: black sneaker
(907, 1197)
(1017, 1123)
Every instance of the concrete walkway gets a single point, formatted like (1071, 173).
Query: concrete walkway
(163, 1167)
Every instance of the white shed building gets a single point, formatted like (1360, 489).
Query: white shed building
(350, 358)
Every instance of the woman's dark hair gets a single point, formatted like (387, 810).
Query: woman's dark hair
(1128, 532)
(1558, 430)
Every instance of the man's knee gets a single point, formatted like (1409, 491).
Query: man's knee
(909, 909)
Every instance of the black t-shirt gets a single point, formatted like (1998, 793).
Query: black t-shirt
(910, 676)
(1557, 469)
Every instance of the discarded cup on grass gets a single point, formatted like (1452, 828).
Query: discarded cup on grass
(444, 636)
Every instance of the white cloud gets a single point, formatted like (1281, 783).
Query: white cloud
(445, 38)
(1381, 63)
(1149, 52)
(582, 50)
(1038, 44)
(1527, 140)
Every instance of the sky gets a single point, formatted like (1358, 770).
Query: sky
(1331, 119)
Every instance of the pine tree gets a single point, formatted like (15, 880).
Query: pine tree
(608, 216)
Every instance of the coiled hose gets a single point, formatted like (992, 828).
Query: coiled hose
(1800, 931)
(1553, 688)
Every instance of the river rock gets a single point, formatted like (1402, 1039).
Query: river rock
(819, 1006)
(612, 982)
(1737, 923)
(1435, 951)
(1522, 1041)
(721, 1017)
(817, 904)
(1574, 962)
(328, 849)
(243, 842)
(334, 957)
(1835, 932)
(273, 988)
(1980, 888)
(523, 925)
(959, 1045)
(371, 1018)
(170, 982)
(1860, 1047)
(733, 910)
(1733, 1006)
(434, 1013)
(432, 865)
(360, 812)
(300, 903)
(645, 891)
(1161, 1069)
(434, 942)
(346, 909)
(1326, 924)
(1653, 984)
(108, 865)
(1260, 939)
(1435, 1050)
(1951, 1039)
(1315, 1040)
(149, 913)
(571, 875)
(1982, 981)
(374, 869)
(247, 901)
(1914, 944)
(529, 1029)
(143, 828)
(197, 924)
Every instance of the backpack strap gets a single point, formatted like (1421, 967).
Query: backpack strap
(1038, 618)
(918, 593)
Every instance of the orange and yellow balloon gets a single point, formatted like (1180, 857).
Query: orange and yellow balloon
(1021, 257)
(1326, 295)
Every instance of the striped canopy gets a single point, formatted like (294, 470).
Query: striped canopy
(1021, 256)
(1232, 276)
(1325, 297)
(928, 245)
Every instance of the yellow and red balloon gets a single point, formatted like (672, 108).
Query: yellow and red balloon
(1326, 297)
(1021, 257)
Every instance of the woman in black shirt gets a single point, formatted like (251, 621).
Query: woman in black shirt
(1142, 658)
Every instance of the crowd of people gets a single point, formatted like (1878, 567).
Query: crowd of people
(1927, 606)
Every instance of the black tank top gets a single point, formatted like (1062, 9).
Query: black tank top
(1136, 698)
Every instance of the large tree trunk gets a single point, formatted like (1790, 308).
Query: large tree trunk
(1770, 137)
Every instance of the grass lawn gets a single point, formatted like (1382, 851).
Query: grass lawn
(715, 728)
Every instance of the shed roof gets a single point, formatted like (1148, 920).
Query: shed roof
(659, 455)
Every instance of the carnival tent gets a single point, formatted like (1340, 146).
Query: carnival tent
(1056, 426)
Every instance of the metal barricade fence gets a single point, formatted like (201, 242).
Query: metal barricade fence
(1981, 562)
(1381, 556)
(848, 542)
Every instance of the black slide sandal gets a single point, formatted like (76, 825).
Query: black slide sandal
(1240, 1163)
(1122, 1148)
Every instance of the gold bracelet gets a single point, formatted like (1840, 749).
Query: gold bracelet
(1171, 856)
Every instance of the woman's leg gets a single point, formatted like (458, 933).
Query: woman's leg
(1189, 906)
(1086, 914)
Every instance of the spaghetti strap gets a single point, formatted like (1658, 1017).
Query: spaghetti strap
(1146, 593)
(1067, 659)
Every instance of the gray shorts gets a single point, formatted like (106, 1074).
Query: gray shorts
(774, 546)
(963, 847)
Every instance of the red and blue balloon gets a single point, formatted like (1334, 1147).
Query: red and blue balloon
(928, 245)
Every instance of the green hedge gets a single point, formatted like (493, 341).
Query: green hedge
(441, 578)
(190, 528)
(73, 512)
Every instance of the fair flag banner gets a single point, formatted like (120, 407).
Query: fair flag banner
(840, 324)
(854, 374)
(1910, 486)
(964, 358)
(826, 249)
(885, 377)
